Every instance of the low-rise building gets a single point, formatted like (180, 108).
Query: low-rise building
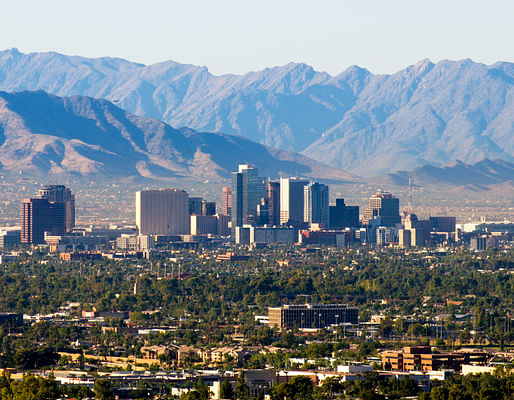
(424, 358)
(312, 315)
(10, 237)
(135, 242)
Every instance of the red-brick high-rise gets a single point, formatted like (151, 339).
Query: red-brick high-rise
(52, 211)
(35, 216)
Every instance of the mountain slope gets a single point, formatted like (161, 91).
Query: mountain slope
(426, 114)
(46, 134)
(369, 124)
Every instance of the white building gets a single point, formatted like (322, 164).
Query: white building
(162, 212)
(292, 200)
(135, 243)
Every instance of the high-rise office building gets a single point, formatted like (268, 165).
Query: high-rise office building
(195, 205)
(60, 194)
(316, 204)
(162, 212)
(292, 200)
(404, 238)
(263, 217)
(237, 199)
(273, 195)
(52, 211)
(208, 207)
(247, 191)
(443, 224)
(204, 224)
(385, 206)
(342, 216)
(385, 235)
(226, 200)
(35, 220)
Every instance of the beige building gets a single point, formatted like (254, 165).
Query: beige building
(162, 212)
(292, 200)
(404, 238)
(424, 358)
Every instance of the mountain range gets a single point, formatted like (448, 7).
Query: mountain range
(485, 172)
(43, 134)
(358, 121)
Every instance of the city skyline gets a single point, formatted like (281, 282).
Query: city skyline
(257, 200)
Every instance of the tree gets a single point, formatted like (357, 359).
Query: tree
(34, 388)
(226, 391)
(458, 392)
(103, 389)
(26, 358)
(415, 330)
(299, 388)
(242, 390)
(330, 387)
(200, 391)
(76, 391)
(439, 393)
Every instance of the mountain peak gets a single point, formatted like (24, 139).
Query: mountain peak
(358, 121)
(423, 65)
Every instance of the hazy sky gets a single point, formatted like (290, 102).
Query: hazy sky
(236, 36)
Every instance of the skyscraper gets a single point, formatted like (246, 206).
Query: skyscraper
(263, 217)
(292, 200)
(385, 206)
(343, 216)
(162, 212)
(247, 190)
(316, 204)
(273, 195)
(195, 205)
(237, 199)
(53, 211)
(226, 201)
(208, 207)
(35, 220)
(60, 194)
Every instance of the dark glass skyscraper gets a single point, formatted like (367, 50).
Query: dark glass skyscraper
(247, 191)
(343, 216)
(273, 194)
(195, 205)
(316, 204)
(59, 196)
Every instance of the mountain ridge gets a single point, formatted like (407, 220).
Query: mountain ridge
(44, 134)
(457, 173)
(427, 113)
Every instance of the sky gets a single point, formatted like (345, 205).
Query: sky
(237, 36)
